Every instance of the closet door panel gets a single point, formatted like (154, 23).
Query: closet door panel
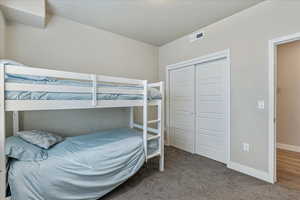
(181, 91)
(211, 130)
(210, 89)
(182, 105)
(210, 107)
(184, 120)
(211, 153)
(213, 122)
(182, 101)
(184, 139)
(211, 142)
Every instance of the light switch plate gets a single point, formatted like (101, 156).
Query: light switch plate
(246, 147)
(261, 104)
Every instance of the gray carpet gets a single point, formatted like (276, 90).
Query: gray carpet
(192, 177)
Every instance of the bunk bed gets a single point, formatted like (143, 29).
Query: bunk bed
(25, 88)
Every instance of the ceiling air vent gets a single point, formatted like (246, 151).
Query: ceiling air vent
(196, 36)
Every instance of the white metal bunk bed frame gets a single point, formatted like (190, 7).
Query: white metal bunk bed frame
(30, 105)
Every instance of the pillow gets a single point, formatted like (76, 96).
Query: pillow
(21, 150)
(42, 139)
(154, 93)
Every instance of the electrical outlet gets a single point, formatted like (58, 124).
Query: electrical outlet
(246, 147)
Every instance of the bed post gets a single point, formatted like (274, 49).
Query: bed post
(2, 135)
(145, 118)
(94, 89)
(131, 122)
(16, 122)
(161, 126)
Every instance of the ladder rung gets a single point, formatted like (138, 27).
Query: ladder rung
(153, 155)
(153, 137)
(153, 121)
(151, 130)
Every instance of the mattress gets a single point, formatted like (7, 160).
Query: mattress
(83, 167)
(153, 94)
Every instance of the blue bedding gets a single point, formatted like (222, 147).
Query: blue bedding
(83, 167)
(27, 95)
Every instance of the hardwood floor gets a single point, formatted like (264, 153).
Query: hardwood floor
(288, 169)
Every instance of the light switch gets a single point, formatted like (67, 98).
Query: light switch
(246, 147)
(261, 104)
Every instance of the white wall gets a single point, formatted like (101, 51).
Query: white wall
(246, 34)
(70, 46)
(288, 83)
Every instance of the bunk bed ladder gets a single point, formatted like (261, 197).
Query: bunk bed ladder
(148, 132)
(159, 132)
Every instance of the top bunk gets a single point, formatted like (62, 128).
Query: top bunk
(26, 88)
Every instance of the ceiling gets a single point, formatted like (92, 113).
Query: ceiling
(156, 22)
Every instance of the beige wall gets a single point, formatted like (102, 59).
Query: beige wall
(288, 104)
(67, 45)
(246, 34)
(2, 34)
(29, 12)
(2, 55)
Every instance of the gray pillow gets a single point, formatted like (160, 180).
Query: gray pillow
(19, 149)
(154, 93)
(42, 139)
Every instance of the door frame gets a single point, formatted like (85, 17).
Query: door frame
(225, 54)
(273, 44)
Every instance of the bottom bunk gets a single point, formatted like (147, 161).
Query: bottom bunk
(82, 167)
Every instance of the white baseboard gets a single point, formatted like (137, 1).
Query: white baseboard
(288, 147)
(250, 171)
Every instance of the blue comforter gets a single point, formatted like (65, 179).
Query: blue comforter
(83, 167)
(43, 80)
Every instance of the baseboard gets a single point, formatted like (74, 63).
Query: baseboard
(288, 147)
(250, 171)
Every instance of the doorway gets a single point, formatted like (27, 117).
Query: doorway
(284, 111)
(288, 114)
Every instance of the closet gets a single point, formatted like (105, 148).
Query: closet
(199, 106)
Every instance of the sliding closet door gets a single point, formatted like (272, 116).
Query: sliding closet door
(211, 110)
(182, 100)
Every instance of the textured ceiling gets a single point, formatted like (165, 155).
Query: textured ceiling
(155, 22)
